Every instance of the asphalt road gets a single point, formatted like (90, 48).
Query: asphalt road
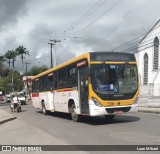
(128, 129)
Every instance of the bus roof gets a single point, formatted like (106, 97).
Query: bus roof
(85, 55)
(94, 56)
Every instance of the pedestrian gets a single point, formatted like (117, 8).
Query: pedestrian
(14, 102)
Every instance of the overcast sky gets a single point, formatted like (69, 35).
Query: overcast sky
(103, 25)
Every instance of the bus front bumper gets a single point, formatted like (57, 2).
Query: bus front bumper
(98, 111)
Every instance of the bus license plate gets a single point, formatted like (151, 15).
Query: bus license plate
(118, 112)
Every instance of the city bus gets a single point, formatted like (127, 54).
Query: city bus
(92, 84)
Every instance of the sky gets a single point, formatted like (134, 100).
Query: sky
(81, 26)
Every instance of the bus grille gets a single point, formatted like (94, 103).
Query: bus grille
(123, 109)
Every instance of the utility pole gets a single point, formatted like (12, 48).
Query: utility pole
(51, 53)
(12, 82)
(28, 92)
(55, 41)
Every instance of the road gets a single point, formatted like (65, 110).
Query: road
(129, 129)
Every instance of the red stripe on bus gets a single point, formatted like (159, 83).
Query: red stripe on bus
(65, 90)
(35, 95)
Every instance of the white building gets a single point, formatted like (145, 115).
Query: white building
(27, 83)
(148, 59)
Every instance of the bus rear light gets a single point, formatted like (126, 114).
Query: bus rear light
(96, 102)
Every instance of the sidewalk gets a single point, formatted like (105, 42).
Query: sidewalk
(149, 104)
(16, 132)
(5, 117)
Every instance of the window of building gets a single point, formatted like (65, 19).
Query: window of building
(156, 53)
(145, 80)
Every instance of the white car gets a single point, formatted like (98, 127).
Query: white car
(22, 98)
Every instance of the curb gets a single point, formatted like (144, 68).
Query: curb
(149, 110)
(6, 120)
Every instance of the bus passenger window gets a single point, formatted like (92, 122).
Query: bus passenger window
(71, 77)
(50, 82)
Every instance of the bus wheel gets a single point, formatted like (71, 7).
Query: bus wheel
(75, 117)
(44, 111)
(109, 117)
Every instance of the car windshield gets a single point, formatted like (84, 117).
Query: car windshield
(114, 78)
(21, 95)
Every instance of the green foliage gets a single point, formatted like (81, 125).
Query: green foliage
(10, 55)
(36, 70)
(22, 51)
(6, 75)
(6, 82)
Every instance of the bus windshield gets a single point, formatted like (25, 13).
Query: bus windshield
(114, 79)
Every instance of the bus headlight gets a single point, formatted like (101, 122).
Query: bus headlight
(136, 101)
(96, 102)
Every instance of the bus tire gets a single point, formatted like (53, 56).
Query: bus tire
(109, 117)
(75, 117)
(44, 111)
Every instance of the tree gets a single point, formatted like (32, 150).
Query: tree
(3, 70)
(6, 82)
(22, 51)
(36, 70)
(11, 55)
(8, 55)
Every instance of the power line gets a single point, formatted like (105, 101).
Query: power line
(149, 40)
(98, 17)
(94, 20)
(84, 16)
(137, 47)
(135, 38)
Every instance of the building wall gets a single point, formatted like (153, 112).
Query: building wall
(147, 46)
(29, 79)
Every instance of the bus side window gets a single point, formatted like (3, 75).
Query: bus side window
(33, 85)
(45, 82)
(37, 85)
(62, 78)
(54, 85)
(71, 76)
(50, 83)
(41, 84)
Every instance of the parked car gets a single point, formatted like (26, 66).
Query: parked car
(22, 98)
(8, 98)
(1, 98)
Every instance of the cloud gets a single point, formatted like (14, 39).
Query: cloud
(10, 11)
(42, 20)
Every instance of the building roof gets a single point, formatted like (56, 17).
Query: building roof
(150, 31)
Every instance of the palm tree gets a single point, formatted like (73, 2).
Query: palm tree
(8, 55)
(13, 55)
(22, 51)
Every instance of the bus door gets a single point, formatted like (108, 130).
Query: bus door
(83, 88)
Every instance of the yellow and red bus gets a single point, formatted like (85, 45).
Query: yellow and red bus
(93, 84)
